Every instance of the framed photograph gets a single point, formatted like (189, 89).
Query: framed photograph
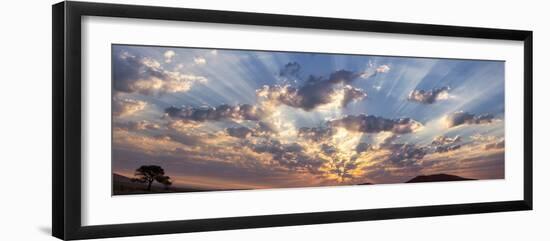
(170, 120)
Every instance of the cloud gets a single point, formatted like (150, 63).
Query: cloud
(340, 76)
(384, 138)
(261, 129)
(392, 162)
(375, 124)
(372, 70)
(495, 145)
(329, 149)
(315, 92)
(447, 148)
(137, 125)
(346, 159)
(405, 154)
(429, 96)
(239, 132)
(362, 147)
(168, 55)
(315, 133)
(279, 94)
(383, 68)
(144, 75)
(342, 169)
(199, 60)
(483, 138)
(221, 112)
(291, 156)
(446, 144)
(264, 129)
(444, 140)
(145, 143)
(182, 125)
(352, 94)
(397, 154)
(465, 118)
(125, 107)
(290, 70)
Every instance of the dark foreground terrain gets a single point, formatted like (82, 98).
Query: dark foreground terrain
(123, 185)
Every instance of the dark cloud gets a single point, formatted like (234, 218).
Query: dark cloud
(429, 96)
(291, 156)
(290, 70)
(342, 168)
(132, 73)
(280, 94)
(128, 68)
(447, 148)
(405, 154)
(446, 144)
(352, 94)
(375, 124)
(360, 123)
(239, 132)
(316, 91)
(362, 147)
(401, 155)
(328, 149)
(262, 129)
(202, 114)
(462, 118)
(315, 133)
(343, 76)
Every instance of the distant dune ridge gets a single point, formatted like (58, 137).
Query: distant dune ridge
(438, 178)
(442, 177)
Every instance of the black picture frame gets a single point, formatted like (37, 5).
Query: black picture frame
(66, 129)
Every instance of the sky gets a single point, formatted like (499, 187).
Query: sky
(247, 119)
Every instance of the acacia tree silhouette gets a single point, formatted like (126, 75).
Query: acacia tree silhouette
(149, 174)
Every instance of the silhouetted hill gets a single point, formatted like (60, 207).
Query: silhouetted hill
(123, 185)
(121, 179)
(366, 183)
(437, 178)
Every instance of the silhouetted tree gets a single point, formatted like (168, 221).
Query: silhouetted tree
(149, 174)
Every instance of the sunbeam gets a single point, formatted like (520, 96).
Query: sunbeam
(238, 119)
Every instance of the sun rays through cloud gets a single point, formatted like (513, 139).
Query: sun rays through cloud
(218, 119)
